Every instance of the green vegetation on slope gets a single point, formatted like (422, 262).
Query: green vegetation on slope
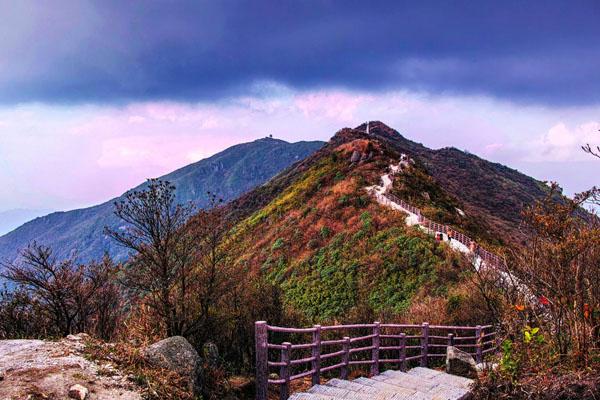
(335, 252)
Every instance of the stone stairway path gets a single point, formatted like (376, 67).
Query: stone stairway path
(417, 384)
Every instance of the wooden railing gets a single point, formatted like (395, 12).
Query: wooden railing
(373, 345)
(490, 259)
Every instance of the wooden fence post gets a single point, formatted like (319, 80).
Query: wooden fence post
(316, 354)
(450, 344)
(402, 355)
(450, 339)
(345, 358)
(424, 344)
(284, 371)
(262, 369)
(375, 352)
(479, 333)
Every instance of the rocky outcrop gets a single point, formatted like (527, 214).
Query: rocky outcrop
(460, 363)
(177, 354)
(355, 157)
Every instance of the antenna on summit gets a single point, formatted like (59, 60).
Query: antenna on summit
(368, 123)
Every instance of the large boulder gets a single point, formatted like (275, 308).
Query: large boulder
(460, 363)
(177, 354)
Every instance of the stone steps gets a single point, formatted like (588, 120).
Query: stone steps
(417, 384)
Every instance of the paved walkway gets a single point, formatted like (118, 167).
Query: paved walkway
(416, 384)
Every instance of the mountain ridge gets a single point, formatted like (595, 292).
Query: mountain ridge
(12, 219)
(318, 234)
(79, 233)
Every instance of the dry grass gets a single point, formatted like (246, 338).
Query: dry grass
(547, 385)
(154, 383)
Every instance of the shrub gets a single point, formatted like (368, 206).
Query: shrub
(60, 297)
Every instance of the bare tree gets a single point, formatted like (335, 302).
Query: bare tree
(163, 250)
(107, 303)
(591, 150)
(20, 317)
(66, 295)
(213, 272)
(595, 151)
(53, 282)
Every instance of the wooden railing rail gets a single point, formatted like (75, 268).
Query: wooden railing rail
(369, 345)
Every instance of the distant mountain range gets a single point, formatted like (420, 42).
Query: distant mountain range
(12, 219)
(229, 174)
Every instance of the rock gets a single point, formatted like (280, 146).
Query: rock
(177, 354)
(78, 392)
(79, 337)
(460, 363)
(210, 351)
(485, 366)
(355, 157)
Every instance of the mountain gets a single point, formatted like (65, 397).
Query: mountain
(229, 174)
(12, 219)
(318, 233)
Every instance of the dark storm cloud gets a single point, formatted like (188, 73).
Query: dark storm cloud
(540, 52)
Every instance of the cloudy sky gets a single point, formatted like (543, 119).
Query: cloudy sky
(97, 96)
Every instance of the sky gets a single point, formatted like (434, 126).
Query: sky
(95, 97)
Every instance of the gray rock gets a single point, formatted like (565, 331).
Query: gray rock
(355, 157)
(485, 366)
(79, 337)
(460, 363)
(78, 392)
(177, 354)
(210, 351)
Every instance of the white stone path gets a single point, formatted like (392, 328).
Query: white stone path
(417, 384)
(380, 191)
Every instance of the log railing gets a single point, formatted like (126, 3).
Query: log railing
(311, 352)
(490, 259)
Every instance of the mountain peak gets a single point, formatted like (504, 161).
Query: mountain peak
(379, 128)
(269, 139)
(378, 131)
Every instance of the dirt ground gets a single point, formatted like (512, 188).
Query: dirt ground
(37, 369)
